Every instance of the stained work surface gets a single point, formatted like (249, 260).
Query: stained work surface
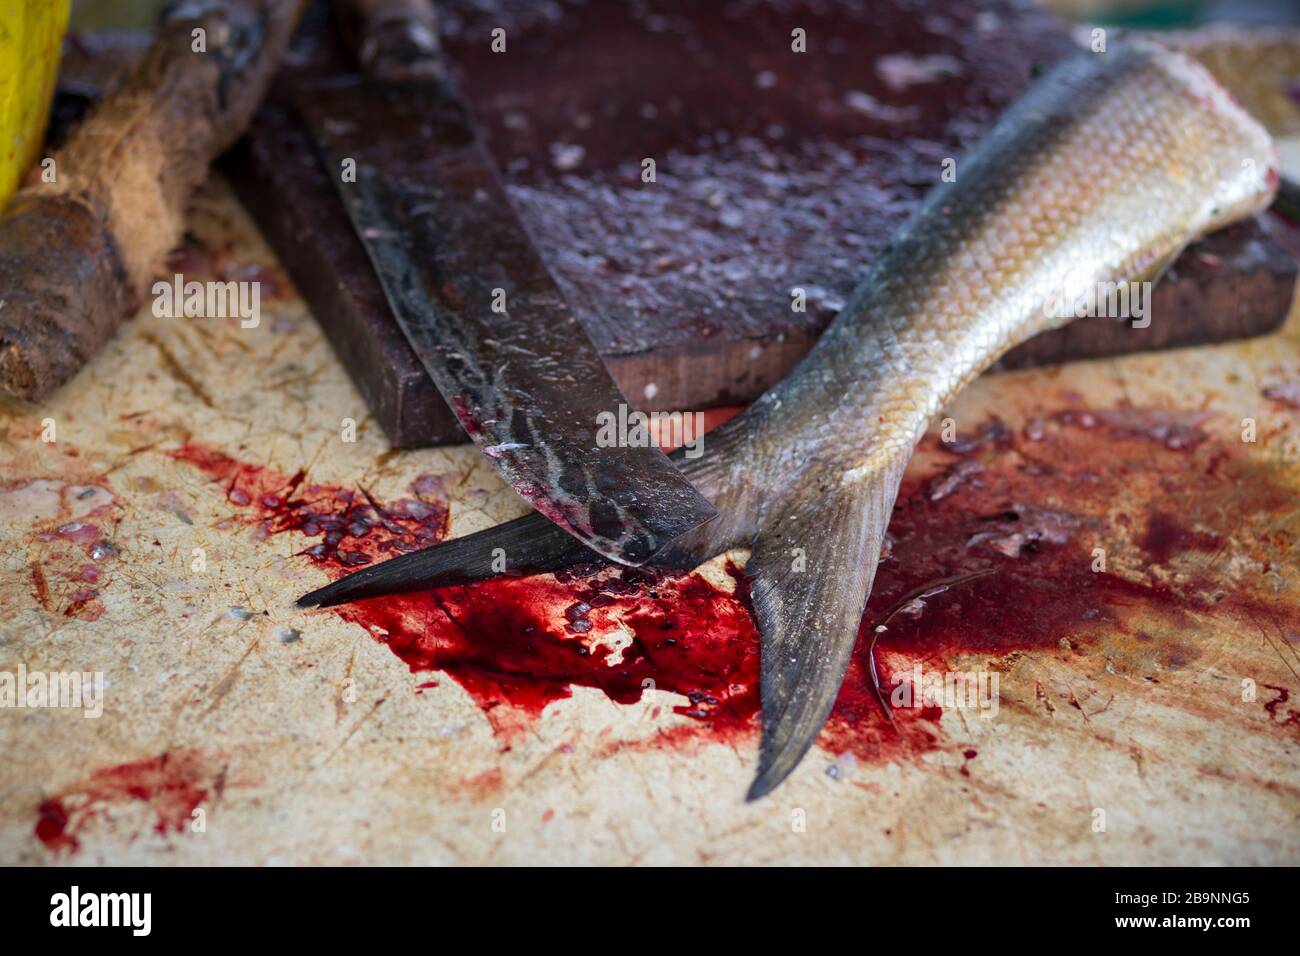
(1122, 561)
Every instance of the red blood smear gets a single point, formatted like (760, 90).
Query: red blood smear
(1164, 537)
(1274, 707)
(79, 606)
(509, 643)
(1285, 393)
(1028, 519)
(41, 586)
(483, 785)
(1041, 588)
(354, 529)
(173, 784)
(1032, 515)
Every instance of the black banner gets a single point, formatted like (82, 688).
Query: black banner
(221, 906)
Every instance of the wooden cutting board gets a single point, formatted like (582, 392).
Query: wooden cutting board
(774, 171)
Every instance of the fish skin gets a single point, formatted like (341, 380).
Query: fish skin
(1104, 170)
(1258, 64)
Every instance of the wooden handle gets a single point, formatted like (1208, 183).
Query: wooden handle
(394, 40)
(77, 254)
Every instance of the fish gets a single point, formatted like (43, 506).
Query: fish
(1260, 67)
(1101, 172)
(1258, 64)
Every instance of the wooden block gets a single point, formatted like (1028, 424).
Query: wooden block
(773, 170)
(278, 176)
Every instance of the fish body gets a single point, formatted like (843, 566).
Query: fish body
(1102, 172)
(1259, 65)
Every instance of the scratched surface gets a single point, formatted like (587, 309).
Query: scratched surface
(300, 737)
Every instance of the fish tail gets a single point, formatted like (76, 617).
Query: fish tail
(534, 545)
(810, 573)
(813, 559)
(814, 545)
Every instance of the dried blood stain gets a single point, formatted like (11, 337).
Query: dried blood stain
(74, 551)
(173, 785)
(354, 529)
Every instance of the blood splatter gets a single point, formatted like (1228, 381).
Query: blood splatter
(173, 784)
(512, 643)
(353, 527)
(518, 644)
(72, 516)
(1021, 532)
(1275, 707)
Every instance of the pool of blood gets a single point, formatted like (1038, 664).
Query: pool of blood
(1017, 516)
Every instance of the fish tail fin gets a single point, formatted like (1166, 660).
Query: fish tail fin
(527, 545)
(730, 477)
(810, 574)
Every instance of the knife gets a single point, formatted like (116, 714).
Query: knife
(474, 298)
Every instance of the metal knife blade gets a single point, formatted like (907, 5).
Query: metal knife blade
(486, 318)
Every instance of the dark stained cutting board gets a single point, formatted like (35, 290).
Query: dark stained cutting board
(774, 170)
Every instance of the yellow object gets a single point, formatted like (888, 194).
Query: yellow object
(31, 39)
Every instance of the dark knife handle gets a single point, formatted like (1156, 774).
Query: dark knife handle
(395, 41)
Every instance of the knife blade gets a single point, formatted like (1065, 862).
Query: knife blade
(477, 302)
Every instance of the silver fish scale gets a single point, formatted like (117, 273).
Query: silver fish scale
(1100, 174)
